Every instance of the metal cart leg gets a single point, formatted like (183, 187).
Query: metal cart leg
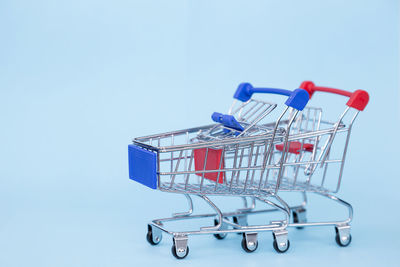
(186, 213)
(299, 213)
(281, 243)
(242, 219)
(224, 226)
(219, 215)
(342, 228)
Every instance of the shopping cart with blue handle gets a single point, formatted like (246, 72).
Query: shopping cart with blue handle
(229, 158)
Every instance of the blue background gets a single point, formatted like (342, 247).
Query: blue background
(79, 79)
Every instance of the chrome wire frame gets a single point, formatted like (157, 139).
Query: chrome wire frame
(176, 172)
(248, 154)
(279, 205)
(274, 201)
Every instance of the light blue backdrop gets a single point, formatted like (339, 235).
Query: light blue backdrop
(79, 79)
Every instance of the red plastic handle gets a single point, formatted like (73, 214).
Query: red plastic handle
(358, 99)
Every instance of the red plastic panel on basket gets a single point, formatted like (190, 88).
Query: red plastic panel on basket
(295, 147)
(214, 157)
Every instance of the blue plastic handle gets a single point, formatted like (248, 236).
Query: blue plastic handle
(227, 120)
(298, 98)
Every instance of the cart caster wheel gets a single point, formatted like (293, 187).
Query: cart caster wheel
(180, 248)
(281, 244)
(235, 220)
(280, 250)
(343, 237)
(241, 220)
(219, 236)
(153, 236)
(343, 243)
(249, 242)
(181, 253)
(299, 216)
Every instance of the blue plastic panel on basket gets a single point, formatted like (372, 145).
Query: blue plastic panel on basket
(143, 166)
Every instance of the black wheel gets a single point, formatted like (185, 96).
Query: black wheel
(296, 220)
(236, 220)
(245, 246)
(149, 236)
(179, 257)
(219, 236)
(277, 249)
(342, 243)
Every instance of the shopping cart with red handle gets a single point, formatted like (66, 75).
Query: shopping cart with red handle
(229, 158)
(306, 168)
(310, 151)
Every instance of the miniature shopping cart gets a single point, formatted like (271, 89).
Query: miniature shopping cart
(229, 158)
(313, 150)
(314, 145)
